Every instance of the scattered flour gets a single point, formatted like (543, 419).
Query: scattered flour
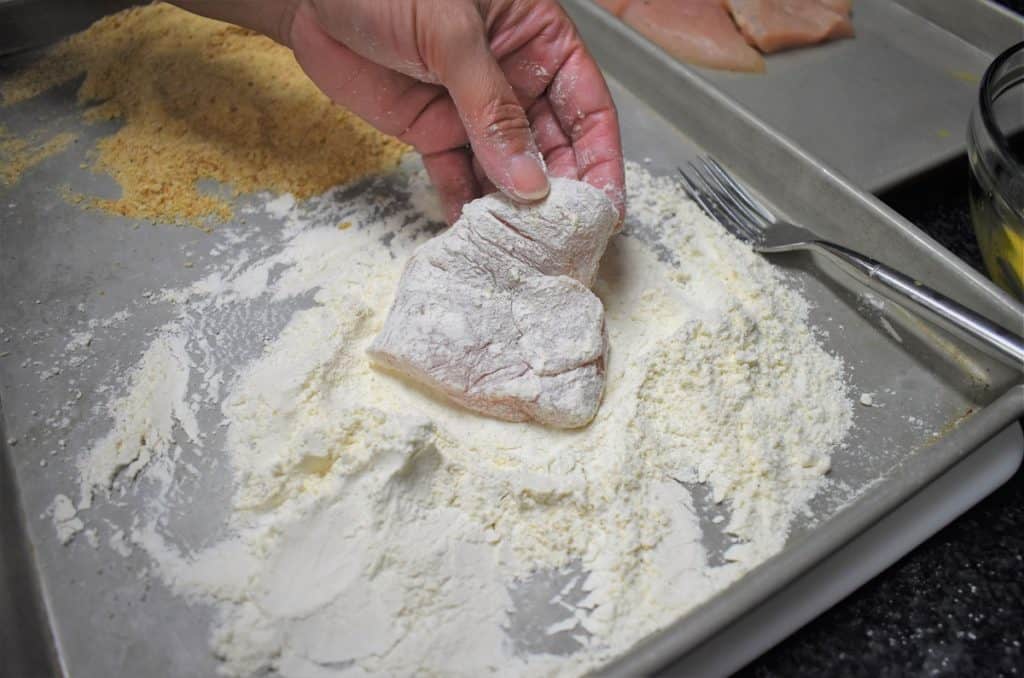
(280, 206)
(144, 418)
(374, 529)
(118, 543)
(65, 518)
(79, 340)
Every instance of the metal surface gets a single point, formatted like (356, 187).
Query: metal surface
(890, 103)
(981, 23)
(29, 23)
(920, 366)
(868, 555)
(61, 265)
(25, 641)
(879, 109)
(728, 202)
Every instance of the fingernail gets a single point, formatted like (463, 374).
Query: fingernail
(527, 179)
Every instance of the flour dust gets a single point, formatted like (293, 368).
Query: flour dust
(371, 528)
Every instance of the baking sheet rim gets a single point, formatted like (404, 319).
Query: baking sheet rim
(756, 586)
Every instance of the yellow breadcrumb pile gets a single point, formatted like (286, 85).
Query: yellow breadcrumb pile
(18, 155)
(200, 99)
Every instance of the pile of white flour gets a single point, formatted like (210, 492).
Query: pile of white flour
(374, 529)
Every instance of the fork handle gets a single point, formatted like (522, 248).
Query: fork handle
(901, 289)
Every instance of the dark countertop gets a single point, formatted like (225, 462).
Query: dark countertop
(954, 606)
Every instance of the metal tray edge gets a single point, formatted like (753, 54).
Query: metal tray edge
(985, 25)
(718, 612)
(663, 83)
(783, 169)
(28, 648)
(758, 585)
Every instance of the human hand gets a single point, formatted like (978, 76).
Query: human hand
(511, 78)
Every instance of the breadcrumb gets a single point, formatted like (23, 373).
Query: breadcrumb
(201, 99)
(18, 155)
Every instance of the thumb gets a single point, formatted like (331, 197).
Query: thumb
(495, 123)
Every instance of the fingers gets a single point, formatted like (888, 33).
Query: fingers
(418, 113)
(575, 122)
(495, 122)
(584, 108)
(486, 185)
(543, 66)
(553, 143)
(451, 172)
(533, 50)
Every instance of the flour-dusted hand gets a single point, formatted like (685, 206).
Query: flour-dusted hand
(483, 89)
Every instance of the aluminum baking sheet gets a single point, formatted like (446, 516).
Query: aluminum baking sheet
(890, 103)
(61, 265)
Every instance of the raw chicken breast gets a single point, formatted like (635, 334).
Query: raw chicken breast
(773, 25)
(613, 6)
(696, 31)
(496, 312)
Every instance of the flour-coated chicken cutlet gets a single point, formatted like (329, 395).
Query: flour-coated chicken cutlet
(496, 313)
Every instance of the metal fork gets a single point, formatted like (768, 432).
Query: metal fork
(726, 201)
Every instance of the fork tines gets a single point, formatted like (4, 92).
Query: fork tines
(725, 200)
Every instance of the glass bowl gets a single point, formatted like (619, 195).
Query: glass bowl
(995, 149)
